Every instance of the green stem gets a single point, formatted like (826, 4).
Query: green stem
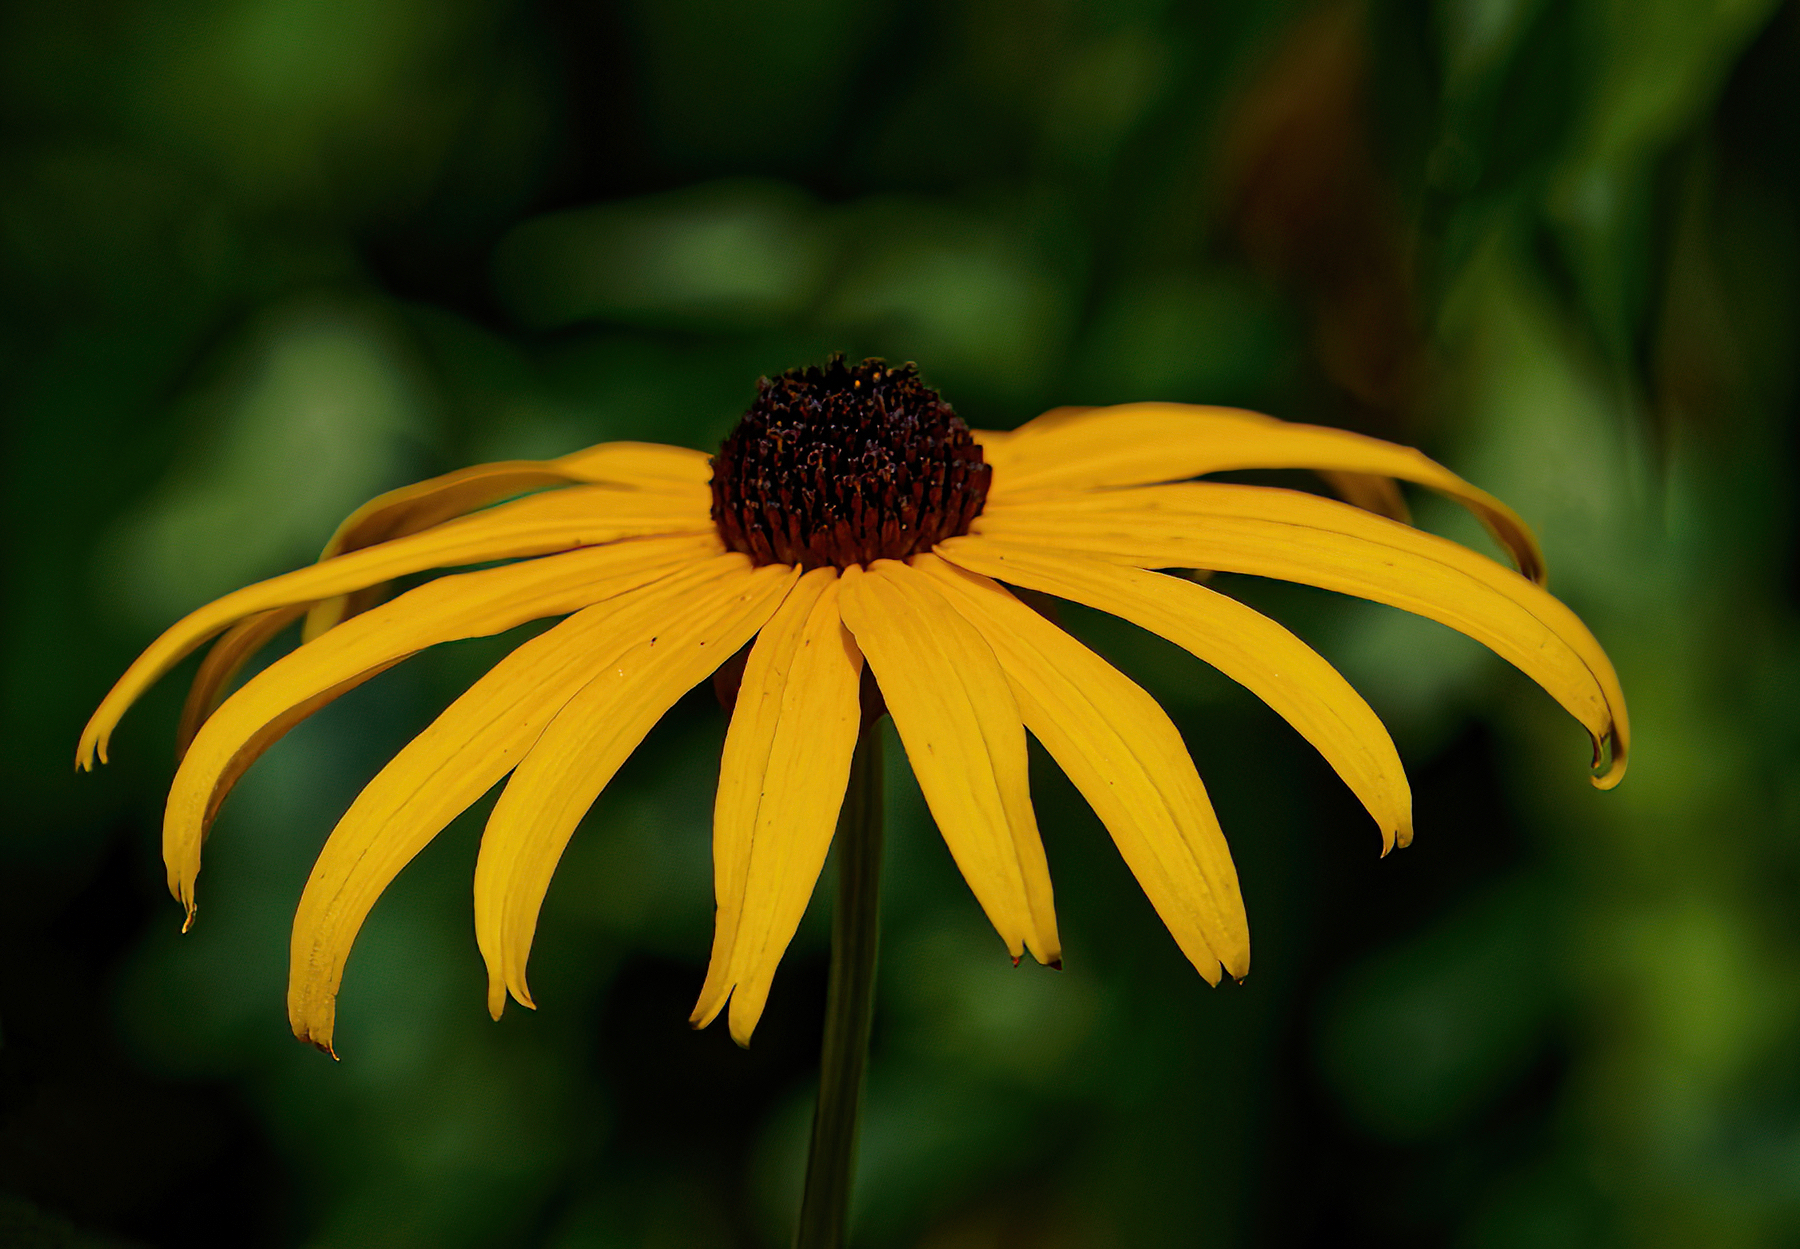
(849, 1004)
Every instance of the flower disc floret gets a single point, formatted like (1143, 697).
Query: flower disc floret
(844, 465)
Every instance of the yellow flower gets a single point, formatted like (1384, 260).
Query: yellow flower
(852, 516)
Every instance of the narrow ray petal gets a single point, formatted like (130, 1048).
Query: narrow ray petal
(643, 465)
(1368, 491)
(1136, 444)
(781, 783)
(1372, 493)
(960, 724)
(558, 521)
(756, 719)
(1245, 645)
(414, 508)
(476, 741)
(654, 657)
(1299, 537)
(468, 605)
(224, 660)
(1127, 759)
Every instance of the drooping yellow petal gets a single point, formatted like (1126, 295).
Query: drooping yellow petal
(960, 724)
(642, 465)
(414, 508)
(654, 657)
(474, 604)
(224, 659)
(1368, 491)
(476, 741)
(1127, 759)
(1372, 493)
(1136, 444)
(538, 525)
(781, 783)
(1245, 645)
(756, 718)
(1313, 541)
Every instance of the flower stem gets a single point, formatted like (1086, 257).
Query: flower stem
(849, 1004)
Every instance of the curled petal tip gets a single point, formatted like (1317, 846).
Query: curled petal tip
(1615, 766)
(1054, 964)
(187, 920)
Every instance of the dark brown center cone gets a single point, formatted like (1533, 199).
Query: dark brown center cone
(844, 464)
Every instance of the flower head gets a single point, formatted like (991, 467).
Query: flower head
(851, 519)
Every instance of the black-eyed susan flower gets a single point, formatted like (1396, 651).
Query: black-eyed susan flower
(851, 518)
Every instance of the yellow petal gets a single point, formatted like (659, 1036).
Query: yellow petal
(224, 659)
(1128, 761)
(743, 765)
(411, 509)
(558, 521)
(960, 724)
(1380, 495)
(476, 741)
(781, 783)
(468, 605)
(1135, 444)
(643, 465)
(1245, 645)
(655, 654)
(1299, 537)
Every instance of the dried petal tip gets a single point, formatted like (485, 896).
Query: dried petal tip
(846, 464)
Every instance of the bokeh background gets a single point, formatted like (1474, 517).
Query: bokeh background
(260, 259)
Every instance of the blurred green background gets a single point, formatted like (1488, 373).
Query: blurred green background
(261, 259)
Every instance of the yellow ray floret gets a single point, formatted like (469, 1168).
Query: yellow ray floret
(224, 660)
(781, 783)
(957, 718)
(472, 604)
(1298, 537)
(477, 740)
(1135, 444)
(654, 657)
(1127, 759)
(674, 471)
(539, 525)
(1242, 643)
